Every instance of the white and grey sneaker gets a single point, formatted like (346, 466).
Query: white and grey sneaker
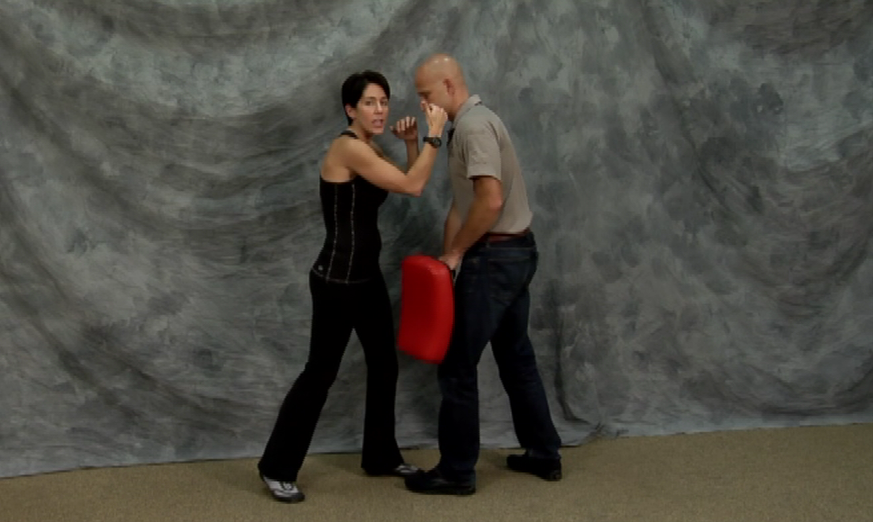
(283, 491)
(407, 470)
(403, 470)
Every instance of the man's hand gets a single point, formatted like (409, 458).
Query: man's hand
(452, 260)
(436, 118)
(406, 129)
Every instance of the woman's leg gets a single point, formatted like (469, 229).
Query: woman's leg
(374, 324)
(299, 413)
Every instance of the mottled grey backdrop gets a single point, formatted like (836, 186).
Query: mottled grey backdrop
(701, 173)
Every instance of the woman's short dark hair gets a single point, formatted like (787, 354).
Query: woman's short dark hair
(353, 88)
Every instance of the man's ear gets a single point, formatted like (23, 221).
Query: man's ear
(450, 86)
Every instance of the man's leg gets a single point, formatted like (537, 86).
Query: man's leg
(475, 321)
(516, 361)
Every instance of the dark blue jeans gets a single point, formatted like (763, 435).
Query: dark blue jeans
(492, 303)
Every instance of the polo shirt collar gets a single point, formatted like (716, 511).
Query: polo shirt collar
(466, 106)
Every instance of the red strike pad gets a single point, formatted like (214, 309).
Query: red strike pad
(427, 308)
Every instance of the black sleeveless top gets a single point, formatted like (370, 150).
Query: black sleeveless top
(350, 253)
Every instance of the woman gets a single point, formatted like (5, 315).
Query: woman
(347, 287)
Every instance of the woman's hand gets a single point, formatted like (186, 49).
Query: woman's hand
(436, 118)
(406, 129)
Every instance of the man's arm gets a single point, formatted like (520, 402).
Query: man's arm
(483, 214)
(453, 225)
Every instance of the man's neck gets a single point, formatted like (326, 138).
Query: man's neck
(458, 106)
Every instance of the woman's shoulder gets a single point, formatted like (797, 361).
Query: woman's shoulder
(334, 166)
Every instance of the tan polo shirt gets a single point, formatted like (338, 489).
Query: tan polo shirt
(480, 145)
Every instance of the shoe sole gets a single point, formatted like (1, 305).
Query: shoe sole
(551, 476)
(390, 474)
(461, 492)
(289, 500)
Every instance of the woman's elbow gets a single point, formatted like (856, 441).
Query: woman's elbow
(408, 191)
(414, 189)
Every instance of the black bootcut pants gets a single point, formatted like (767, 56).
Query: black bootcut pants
(337, 310)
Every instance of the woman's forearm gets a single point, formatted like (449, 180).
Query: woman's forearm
(411, 153)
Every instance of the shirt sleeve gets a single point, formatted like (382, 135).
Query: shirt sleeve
(482, 152)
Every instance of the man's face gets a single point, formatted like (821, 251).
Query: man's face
(433, 90)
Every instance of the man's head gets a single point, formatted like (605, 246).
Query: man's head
(440, 81)
(365, 98)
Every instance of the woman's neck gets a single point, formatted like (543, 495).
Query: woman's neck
(361, 133)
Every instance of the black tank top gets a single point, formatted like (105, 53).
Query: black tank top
(350, 253)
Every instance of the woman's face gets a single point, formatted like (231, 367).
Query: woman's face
(372, 109)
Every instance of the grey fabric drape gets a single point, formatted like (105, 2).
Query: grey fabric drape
(700, 173)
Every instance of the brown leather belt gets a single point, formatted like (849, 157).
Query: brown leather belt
(490, 237)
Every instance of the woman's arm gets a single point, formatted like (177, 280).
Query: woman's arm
(406, 129)
(366, 162)
(411, 153)
(381, 154)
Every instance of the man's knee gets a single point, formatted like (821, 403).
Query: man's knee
(458, 382)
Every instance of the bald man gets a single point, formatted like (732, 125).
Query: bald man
(488, 242)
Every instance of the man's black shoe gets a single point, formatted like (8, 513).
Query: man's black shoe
(432, 482)
(546, 469)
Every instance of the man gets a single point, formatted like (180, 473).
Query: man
(489, 243)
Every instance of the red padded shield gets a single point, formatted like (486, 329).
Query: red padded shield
(427, 308)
